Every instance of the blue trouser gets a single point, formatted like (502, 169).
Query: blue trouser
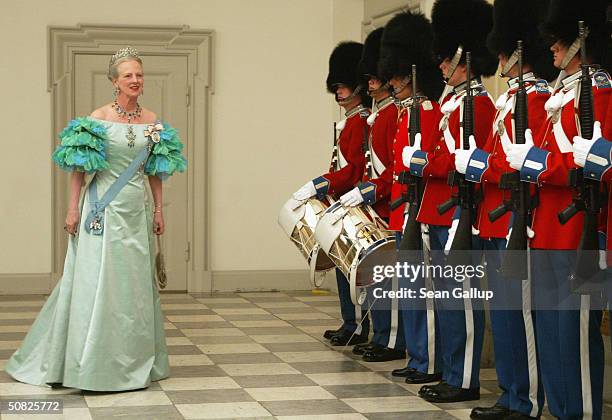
(421, 329)
(569, 344)
(513, 336)
(386, 320)
(352, 315)
(462, 329)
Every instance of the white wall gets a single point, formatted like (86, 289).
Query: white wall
(271, 116)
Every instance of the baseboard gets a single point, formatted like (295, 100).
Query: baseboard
(260, 280)
(25, 284)
(203, 282)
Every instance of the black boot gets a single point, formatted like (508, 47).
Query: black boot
(384, 354)
(490, 413)
(417, 377)
(425, 389)
(403, 372)
(345, 338)
(449, 393)
(328, 334)
(364, 347)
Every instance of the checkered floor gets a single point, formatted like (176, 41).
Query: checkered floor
(244, 355)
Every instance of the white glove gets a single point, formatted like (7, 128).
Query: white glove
(462, 157)
(582, 146)
(530, 233)
(409, 150)
(304, 193)
(449, 106)
(554, 103)
(517, 153)
(451, 236)
(501, 101)
(352, 198)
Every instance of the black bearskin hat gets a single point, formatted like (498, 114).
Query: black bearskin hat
(407, 39)
(343, 65)
(466, 23)
(561, 24)
(368, 65)
(515, 20)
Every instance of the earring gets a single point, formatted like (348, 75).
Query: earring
(116, 92)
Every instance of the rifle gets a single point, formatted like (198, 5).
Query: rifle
(514, 263)
(334, 159)
(411, 237)
(588, 194)
(465, 197)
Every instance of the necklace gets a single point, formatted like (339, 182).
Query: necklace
(125, 114)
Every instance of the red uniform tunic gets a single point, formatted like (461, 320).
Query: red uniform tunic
(554, 193)
(440, 157)
(382, 133)
(492, 195)
(351, 158)
(430, 118)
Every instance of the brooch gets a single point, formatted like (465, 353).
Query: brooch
(152, 131)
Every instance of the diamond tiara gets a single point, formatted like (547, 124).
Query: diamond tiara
(122, 53)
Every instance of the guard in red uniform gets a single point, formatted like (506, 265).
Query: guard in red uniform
(569, 344)
(375, 189)
(459, 26)
(407, 40)
(511, 321)
(595, 155)
(347, 171)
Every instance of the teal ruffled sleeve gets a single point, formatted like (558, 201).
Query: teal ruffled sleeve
(82, 146)
(166, 156)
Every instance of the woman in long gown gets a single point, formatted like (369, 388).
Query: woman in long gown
(102, 328)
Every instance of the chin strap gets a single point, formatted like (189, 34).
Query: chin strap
(348, 99)
(571, 53)
(380, 90)
(451, 70)
(510, 63)
(401, 87)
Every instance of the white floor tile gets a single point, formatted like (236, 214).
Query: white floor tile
(253, 369)
(184, 306)
(234, 410)
(128, 399)
(347, 416)
(193, 384)
(389, 404)
(287, 338)
(67, 414)
(17, 388)
(194, 318)
(275, 305)
(240, 311)
(232, 348)
(178, 341)
(189, 360)
(255, 324)
(311, 356)
(347, 378)
(212, 332)
(290, 393)
(299, 316)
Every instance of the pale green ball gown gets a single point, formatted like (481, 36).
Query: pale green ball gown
(102, 328)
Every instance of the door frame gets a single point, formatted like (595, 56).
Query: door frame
(66, 42)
